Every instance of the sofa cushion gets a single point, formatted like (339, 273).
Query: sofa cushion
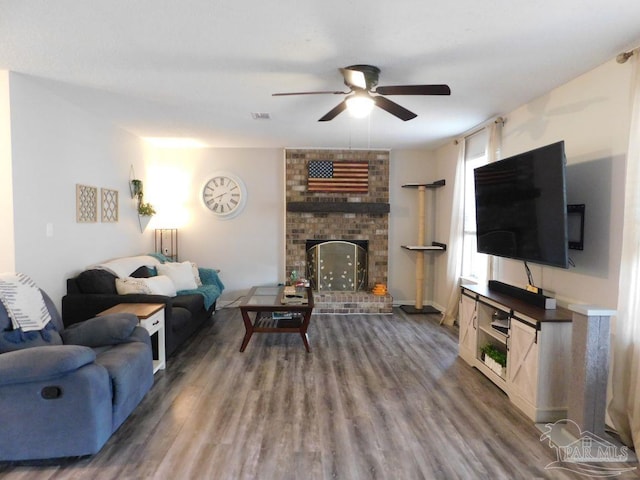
(192, 302)
(43, 363)
(96, 281)
(130, 368)
(181, 274)
(180, 317)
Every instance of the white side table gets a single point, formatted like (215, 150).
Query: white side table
(151, 318)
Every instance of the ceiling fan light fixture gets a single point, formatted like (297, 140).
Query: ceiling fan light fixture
(360, 105)
(362, 80)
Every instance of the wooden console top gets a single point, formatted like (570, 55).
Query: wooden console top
(536, 313)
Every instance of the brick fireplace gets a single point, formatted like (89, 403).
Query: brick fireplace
(325, 216)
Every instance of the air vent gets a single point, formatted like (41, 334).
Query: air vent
(260, 116)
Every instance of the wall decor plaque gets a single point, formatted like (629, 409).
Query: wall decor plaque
(86, 204)
(109, 205)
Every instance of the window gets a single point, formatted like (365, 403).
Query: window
(474, 264)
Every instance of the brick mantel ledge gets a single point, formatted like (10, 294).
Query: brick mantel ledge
(339, 207)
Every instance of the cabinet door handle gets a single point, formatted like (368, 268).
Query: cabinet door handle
(156, 322)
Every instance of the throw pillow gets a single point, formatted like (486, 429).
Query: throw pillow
(129, 285)
(96, 281)
(160, 285)
(196, 274)
(142, 272)
(181, 274)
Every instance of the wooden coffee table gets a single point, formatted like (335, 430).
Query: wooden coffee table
(268, 310)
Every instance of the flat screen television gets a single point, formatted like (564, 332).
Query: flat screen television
(521, 207)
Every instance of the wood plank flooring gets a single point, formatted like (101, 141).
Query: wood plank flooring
(378, 397)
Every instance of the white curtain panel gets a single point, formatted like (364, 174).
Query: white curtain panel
(494, 153)
(624, 407)
(454, 247)
(494, 146)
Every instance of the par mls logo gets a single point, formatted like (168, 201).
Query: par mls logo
(586, 454)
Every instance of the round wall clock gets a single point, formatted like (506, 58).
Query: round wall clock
(224, 194)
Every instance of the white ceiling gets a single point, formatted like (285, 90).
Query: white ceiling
(196, 68)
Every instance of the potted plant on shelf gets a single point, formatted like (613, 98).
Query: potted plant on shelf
(495, 359)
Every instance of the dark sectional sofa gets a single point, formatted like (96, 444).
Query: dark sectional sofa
(94, 291)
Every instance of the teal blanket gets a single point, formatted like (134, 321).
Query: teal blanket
(211, 288)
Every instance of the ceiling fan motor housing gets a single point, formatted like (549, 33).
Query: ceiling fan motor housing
(371, 75)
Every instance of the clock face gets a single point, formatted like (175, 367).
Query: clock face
(224, 194)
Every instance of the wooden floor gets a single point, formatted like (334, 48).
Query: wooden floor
(379, 396)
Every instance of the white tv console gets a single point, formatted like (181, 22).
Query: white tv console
(537, 343)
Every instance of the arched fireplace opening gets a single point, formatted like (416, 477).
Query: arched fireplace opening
(337, 265)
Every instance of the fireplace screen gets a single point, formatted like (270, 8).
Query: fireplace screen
(337, 265)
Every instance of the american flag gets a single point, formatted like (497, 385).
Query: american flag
(328, 176)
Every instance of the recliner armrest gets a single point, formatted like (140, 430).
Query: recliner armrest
(42, 363)
(101, 331)
(139, 334)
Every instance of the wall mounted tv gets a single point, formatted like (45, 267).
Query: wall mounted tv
(521, 207)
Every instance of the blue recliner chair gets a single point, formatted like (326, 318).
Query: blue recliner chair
(64, 392)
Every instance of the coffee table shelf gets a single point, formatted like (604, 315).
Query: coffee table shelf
(267, 322)
(264, 310)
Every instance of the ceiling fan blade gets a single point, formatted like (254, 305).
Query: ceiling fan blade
(334, 112)
(394, 109)
(354, 78)
(414, 90)
(309, 93)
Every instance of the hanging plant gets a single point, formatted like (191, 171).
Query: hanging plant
(146, 209)
(136, 188)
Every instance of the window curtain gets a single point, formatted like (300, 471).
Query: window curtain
(494, 153)
(454, 243)
(624, 407)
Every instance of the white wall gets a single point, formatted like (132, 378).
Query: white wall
(411, 166)
(591, 114)
(248, 249)
(56, 145)
(7, 244)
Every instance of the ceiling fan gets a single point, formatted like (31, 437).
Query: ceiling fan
(362, 81)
